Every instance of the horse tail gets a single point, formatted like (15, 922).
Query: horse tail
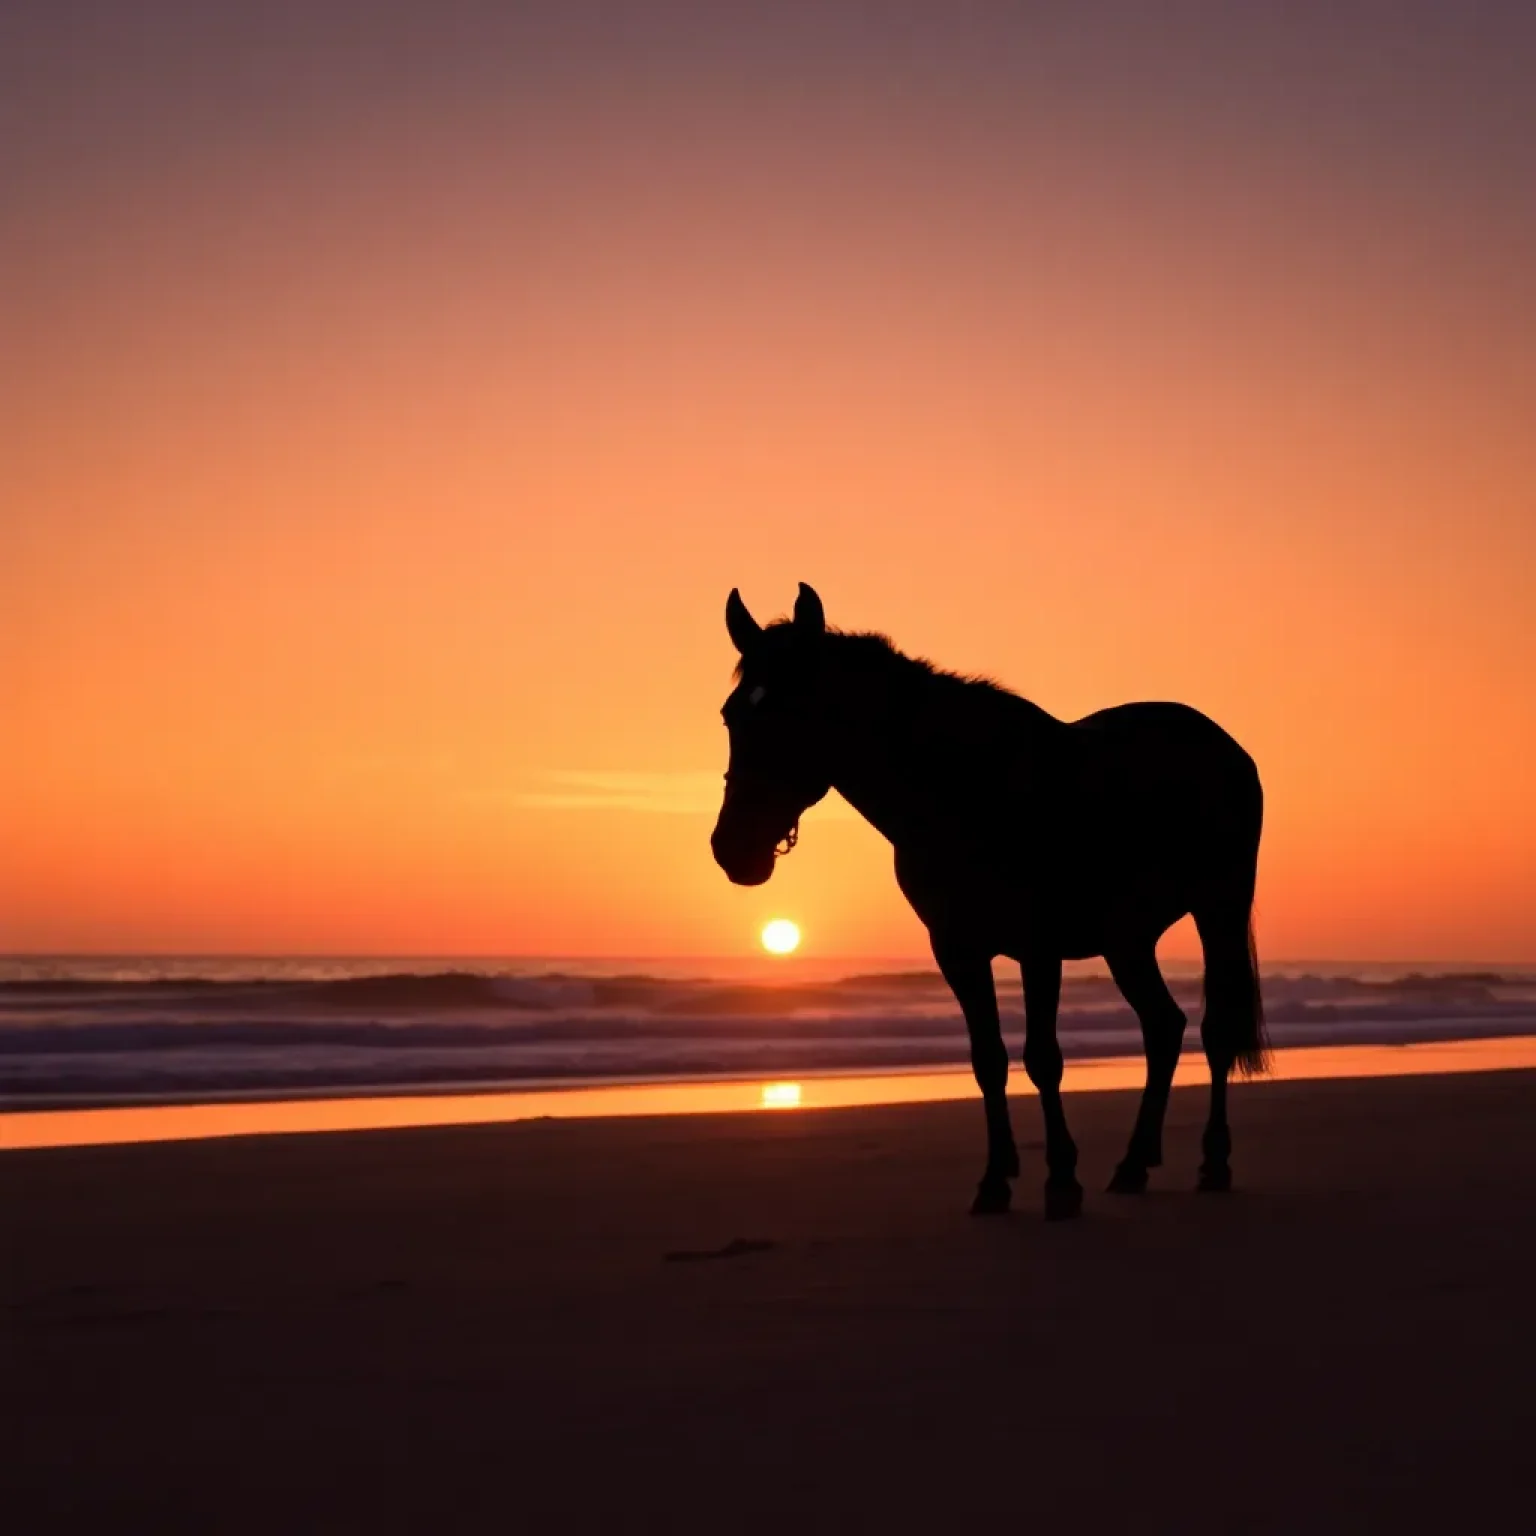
(1253, 1045)
(1234, 998)
(1233, 1027)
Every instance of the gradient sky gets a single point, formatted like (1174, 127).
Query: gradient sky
(392, 394)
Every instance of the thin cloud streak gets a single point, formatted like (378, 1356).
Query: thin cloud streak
(686, 793)
(665, 794)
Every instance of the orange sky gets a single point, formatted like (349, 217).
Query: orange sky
(392, 396)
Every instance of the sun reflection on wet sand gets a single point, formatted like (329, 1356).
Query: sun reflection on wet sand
(182, 1122)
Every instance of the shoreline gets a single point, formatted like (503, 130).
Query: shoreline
(164, 1121)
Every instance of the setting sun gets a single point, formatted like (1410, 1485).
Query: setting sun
(781, 937)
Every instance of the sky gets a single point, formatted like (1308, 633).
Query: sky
(393, 393)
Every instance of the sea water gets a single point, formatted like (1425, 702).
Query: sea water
(123, 1030)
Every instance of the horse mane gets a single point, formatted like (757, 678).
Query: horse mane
(871, 652)
(878, 652)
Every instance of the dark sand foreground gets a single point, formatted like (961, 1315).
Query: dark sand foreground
(494, 1328)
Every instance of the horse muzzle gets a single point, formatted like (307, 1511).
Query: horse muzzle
(743, 865)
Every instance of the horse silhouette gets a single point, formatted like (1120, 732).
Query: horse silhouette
(1016, 834)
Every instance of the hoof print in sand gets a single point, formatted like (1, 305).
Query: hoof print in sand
(732, 1250)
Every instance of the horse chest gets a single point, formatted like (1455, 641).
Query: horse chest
(996, 893)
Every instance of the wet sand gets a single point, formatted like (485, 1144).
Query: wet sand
(754, 1322)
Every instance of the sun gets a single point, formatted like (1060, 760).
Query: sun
(781, 937)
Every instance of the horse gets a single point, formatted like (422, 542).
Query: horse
(1016, 834)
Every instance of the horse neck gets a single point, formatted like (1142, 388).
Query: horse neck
(898, 743)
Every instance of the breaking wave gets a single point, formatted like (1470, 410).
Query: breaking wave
(100, 1031)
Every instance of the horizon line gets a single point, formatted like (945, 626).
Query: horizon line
(680, 956)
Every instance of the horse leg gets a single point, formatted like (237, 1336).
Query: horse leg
(1216, 1143)
(969, 975)
(1043, 1063)
(1162, 1031)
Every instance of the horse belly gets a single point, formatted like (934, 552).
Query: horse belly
(1107, 874)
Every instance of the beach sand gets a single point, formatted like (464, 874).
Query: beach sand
(769, 1322)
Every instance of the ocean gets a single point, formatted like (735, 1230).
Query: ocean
(163, 1029)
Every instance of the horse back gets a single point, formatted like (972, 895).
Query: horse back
(1158, 782)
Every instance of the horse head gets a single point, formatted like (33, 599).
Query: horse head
(777, 766)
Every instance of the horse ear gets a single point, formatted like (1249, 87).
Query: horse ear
(810, 617)
(744, 630)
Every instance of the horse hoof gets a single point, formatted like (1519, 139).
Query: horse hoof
(1063, 1201)
(1215, 1180)
(992, 1198)
(1129, 1179)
